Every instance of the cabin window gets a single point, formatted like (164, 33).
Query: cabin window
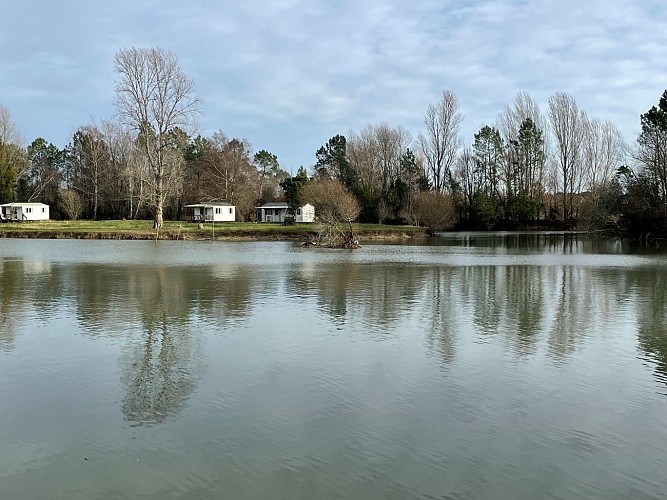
(42, 209)
(298, 211)
(217, 210)
(28, 209)
(230, 210)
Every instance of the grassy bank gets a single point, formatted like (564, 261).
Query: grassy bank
(174, 230)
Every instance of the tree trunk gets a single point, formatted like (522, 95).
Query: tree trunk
(159, 194)
(350, 241)
(95, 200)
(157, 221)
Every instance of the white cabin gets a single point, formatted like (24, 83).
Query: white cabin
(24, 211)
(277, 211)
(214, 211)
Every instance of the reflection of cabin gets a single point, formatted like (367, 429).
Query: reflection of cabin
(24, 211)
(213, 211)
(277, 211)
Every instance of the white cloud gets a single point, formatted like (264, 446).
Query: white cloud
(289, 74)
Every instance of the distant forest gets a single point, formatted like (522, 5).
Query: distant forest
(530, 169)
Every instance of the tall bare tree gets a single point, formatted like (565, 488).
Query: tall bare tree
(512, 117)
(567, 126)
(91, 154)
(229, 174)
(603, 153)
(466, 176)
(522, 127)
(9, 133)
(441, 142)
(375, 155)
(13, 159)
(154, 96)
(127, 189)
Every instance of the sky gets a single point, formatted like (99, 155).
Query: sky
(287, 75)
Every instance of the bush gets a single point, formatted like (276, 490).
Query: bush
(435, 211)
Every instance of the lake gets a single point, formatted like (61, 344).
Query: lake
(471, 366)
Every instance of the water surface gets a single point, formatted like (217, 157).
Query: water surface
(476, 366)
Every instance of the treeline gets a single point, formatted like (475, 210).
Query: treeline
(560, 168)
(101, 174)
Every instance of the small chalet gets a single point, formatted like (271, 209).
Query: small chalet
(213, 211)
(18, 212)
(277, 211)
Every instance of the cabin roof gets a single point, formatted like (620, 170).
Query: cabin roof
(275, 204)
(209, 204)
(279, 204)
(24, 204)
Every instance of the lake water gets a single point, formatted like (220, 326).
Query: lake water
(497, 366)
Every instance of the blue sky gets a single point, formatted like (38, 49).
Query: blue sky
(287, 75)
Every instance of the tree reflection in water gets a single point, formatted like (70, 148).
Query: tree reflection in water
(28, 289)
(378, 296)
(12, 308)
(162, 361)
(158, 311)
(652, 321)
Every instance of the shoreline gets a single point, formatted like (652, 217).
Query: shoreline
(64, 230)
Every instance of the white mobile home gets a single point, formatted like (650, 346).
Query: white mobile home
(277, 211)
(24, 211)
(214, 211)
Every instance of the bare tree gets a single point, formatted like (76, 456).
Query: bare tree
(510, 119)
(154, 96)
(375, 156)
(465, 174)
(566, 123)
(229, 174)
(9, 133)
(522, 127)
(127, 195)
(92, 160)
(13, 159)
(603, 153)
(71, 203)
(441, 143)
(435, 211)
(336, 208)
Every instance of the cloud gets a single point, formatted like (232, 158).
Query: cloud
(287, 75)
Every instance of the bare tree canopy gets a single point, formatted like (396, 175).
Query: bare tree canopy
(13, 161)
(603, 153)
(375, 156)
(441, 143)
(335, 207)
(9, 133)
(512, 117)
(154, 97)
(435, 211)
(567, 126)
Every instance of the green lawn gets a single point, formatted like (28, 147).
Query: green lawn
(188, 230)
